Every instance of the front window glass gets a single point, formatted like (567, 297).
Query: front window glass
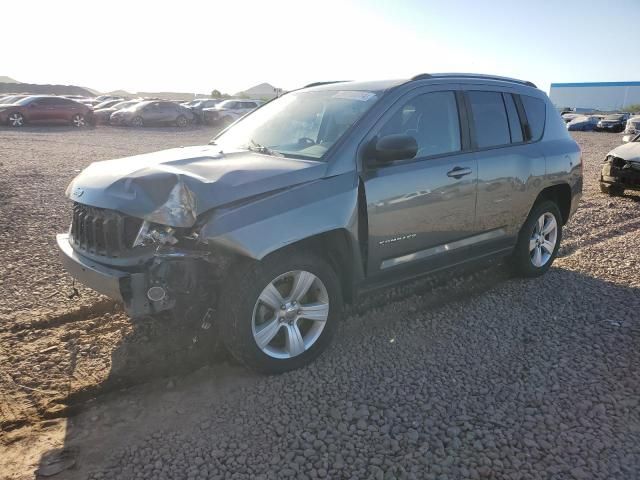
(432, 119)
(301, 124)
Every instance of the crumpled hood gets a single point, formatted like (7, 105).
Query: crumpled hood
(174, 186)
(629, 152)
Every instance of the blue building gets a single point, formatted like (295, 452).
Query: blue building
(604, 96)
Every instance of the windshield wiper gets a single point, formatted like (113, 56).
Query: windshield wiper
(256, 147)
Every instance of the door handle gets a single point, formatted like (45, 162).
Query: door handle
(458, 172)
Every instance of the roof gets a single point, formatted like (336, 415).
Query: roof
(382, 85)
(596, 84)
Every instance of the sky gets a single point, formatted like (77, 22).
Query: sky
(196, 46)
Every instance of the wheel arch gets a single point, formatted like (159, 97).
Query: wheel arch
(560, 194)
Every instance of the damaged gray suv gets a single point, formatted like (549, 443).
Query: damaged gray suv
(326, 192)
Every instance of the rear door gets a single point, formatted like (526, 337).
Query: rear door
(510, 164)
(422, 211)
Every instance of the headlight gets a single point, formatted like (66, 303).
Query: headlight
(150, 233)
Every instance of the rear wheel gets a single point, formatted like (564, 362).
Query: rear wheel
(612, 190)
(280, 314)
(78, 121)
(539, 240)
(15, 119)
(137, 121)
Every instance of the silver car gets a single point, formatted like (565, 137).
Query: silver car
(320, 195)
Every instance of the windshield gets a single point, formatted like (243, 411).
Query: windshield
(299, 125)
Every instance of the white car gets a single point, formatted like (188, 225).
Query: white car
(633, 125)
(227, 112)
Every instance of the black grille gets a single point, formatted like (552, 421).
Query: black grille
(103, 232)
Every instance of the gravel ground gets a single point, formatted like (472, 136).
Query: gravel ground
(483, 376)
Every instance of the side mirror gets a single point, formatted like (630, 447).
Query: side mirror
(391, 148)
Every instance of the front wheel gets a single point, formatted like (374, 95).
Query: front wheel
(181, 121)
(280, 314)
(78, 121)
(137, 122)
(539, 240)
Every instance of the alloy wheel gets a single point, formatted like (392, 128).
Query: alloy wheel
(543, 239)
(78, 121)
(16, 120)
(290, 314)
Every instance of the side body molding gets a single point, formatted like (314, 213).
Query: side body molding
(260, 227)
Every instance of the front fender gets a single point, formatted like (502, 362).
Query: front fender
(269, 223)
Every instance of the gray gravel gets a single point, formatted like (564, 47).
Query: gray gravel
(532, 379)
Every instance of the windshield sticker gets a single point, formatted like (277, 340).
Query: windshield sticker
(354, 95)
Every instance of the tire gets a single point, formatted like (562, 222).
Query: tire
(612, 190)
(288, 340)
(534, 254)
(16, 120)
(181, 121)
(137, 122)
(78, 121)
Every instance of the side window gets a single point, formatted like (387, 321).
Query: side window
(250, 105)
(515, 126)
(432, 119)
(489, 119)
(536, 114)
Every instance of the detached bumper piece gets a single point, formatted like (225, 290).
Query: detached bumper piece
(619, 172)
(122, 286)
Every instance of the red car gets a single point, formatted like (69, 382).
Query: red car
(45, 109)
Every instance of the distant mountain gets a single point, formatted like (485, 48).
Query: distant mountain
(18, 87)
(264, 91)
(4, 79)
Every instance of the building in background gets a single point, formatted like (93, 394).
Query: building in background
(604, 96)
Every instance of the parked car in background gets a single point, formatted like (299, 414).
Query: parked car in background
(228, 111)
(633, 125)
(104, 98)
(295, 207)
(103, 115)
(583, 123)
(197, 106)
(567, 117)
(108, 103)
(153, 112)
(621, 168)
(612, 123)
(45, 109)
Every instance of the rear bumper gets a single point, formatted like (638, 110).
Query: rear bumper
(128, 288)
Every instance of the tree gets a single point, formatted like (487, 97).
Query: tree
(215, 93)
(635, 107)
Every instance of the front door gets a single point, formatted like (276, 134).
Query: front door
(421, 212)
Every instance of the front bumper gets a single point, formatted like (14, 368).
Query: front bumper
(122, 286)
(624, 177)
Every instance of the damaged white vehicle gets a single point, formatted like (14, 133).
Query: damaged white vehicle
(621, 169)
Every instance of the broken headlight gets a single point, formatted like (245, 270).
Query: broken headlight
(154, 233)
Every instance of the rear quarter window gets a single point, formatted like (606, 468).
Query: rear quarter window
(536, 114)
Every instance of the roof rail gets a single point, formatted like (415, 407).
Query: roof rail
(422, 76)
(425, 76)
(317, 84)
